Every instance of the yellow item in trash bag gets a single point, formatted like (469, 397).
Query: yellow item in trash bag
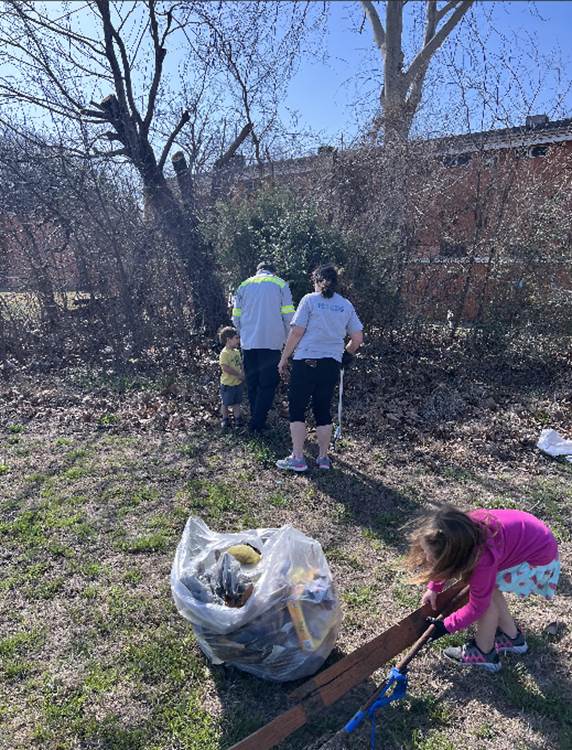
(245, 554)
(299, 577)
(303, 575)
(299, 622)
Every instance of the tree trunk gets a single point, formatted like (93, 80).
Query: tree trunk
(176, 222)
(179, 229)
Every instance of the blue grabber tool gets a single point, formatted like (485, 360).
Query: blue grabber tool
(338, 430)
(392, 689)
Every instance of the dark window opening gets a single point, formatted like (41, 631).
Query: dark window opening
(456, 160)
(452, 249)
(540, 150)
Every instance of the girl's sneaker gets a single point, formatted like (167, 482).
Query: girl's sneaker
(290, 463)
(470, 655)
(505, 644)
(224, 425)
(323, 462)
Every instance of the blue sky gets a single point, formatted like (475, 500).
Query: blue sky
(328, 93)
(525, 60)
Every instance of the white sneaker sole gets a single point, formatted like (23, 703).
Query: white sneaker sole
(298, 469)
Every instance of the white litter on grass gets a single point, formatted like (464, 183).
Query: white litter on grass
(552, 443)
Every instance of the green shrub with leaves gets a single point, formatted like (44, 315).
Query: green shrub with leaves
(279, 224)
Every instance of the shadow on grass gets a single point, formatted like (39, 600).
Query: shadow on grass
(522, 688)
(383, 511)
(261, 702)
(422, 720)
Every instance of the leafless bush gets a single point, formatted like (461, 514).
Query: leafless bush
(86, 271)
(480, 236)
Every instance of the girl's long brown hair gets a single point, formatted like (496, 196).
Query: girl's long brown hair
(454, 541)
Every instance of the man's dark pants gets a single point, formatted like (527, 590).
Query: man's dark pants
(262, 378)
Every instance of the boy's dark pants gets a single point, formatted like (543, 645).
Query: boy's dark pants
(262, 378)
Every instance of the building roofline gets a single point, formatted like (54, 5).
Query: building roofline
(557, 131)
(521, 136)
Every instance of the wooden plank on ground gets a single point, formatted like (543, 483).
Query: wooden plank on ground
(373, 654)
(274, 732)
(328, 686)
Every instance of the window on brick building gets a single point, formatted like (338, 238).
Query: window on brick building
(452, 249)
(456, 160)
(538, 150)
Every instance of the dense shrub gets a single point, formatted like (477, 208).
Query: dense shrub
(274, 223)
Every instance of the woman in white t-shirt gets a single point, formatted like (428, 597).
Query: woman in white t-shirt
(318, 331)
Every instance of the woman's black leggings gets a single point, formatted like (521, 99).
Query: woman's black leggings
(312, 379)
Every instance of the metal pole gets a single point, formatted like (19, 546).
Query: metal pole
(338, 430)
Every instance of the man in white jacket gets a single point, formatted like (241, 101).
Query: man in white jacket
(261, 314)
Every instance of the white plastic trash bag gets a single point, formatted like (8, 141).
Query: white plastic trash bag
(277, 618)
(552, 443)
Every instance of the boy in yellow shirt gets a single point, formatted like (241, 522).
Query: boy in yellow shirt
(232, 376)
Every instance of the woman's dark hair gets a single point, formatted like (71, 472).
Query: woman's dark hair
(326, 277)
(454, 542)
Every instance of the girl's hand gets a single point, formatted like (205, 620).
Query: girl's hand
(431, 598)
(282, 367)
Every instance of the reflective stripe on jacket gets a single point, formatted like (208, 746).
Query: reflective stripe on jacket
(262, 311)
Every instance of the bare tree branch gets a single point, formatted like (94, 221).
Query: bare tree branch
(437, 40)
(114, 152)
(233, 148)
(159, 56)
(103, 7)
(185, 117)
(377, 26)
(439, 14)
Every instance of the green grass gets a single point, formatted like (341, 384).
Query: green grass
(359, 598)
(63, 442)
(344, 557)
(262, 452)
(216, 500)
(433, 740)
(523, 692)
(404, 594)
(486, 731)
(278, 500)
(16, 651)
(132, 577)
(458, 474)
(148, 543)
(108, 420)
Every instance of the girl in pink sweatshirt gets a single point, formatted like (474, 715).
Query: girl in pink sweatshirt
(496, 551)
